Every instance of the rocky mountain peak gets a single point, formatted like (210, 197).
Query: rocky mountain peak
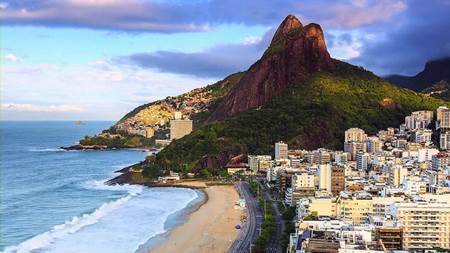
(289, 24)
(294, 53)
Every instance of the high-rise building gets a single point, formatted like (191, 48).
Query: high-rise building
(281, 150)
(443, 117)
(253, 163)
(325, 177)
(440, 161)
(322, 157)
(362, 161)
(397, 174)
(425, 224)
(353, 148)
(337, 179)
(445, 123)
(444, 141)
(419, 120)
(409, 122)
(440, 112)
(373, 145)
(355, 134)
(180, 128)
(423, 136)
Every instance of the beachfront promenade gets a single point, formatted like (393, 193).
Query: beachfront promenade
(250, 228)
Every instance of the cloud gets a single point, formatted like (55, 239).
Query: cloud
(41, 108)
(418, 35)
(3, 5)
(353, 14)
(216, 62)
(114, 76)
(193, 16)
(12, 58)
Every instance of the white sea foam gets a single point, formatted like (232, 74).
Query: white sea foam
(122, 225)
(100, 185)
(76, 223)
(46, 150)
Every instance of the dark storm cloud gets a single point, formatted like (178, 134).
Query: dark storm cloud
(421, 33)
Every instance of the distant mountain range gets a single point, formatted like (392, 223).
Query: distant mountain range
(294, 93)
(434, 72)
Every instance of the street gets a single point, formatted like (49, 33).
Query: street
(249, 230)
(275, 240)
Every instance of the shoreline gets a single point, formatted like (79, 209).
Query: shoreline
(203, 227)
(175, 220)
(192, 232)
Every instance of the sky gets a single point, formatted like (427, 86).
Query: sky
(99, 59)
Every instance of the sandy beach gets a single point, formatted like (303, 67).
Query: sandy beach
(210, 228)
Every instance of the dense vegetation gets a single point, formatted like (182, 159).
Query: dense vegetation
(127, 141)
(311, 115)
(268, 226)
(218, 91)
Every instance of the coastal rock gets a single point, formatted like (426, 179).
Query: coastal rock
(85, 147)
(294, 53)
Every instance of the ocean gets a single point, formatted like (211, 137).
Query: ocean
(56, 201)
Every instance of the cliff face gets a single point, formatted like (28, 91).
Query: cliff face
(434, 72)
(296, 51)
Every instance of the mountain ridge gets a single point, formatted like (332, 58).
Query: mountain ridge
(433, 72)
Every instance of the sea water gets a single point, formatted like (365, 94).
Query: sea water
(56, 201)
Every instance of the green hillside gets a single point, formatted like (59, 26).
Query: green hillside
(310, 115)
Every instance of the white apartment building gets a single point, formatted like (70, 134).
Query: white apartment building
(423, 136)
(443, 117)
(418, 120)
(281, 150)
(362, 161)
(425, 224)
(426, 154)
(302, 181)
(414, 185)
(355, 134)
(325, 177)
(444, 141)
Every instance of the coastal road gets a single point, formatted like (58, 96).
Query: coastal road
(274, 245)
(250, 229)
